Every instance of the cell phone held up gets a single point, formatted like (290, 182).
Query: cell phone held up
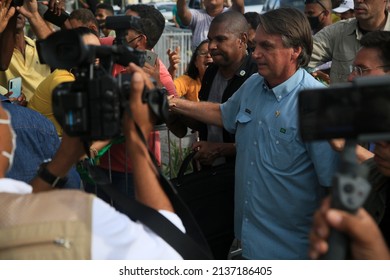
(150, 57)
(15, 87)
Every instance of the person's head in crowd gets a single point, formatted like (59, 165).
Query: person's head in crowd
(89, 36)
(319, 13)
(253, 19)
(152, 24)
(20, 23)
(345, 10)
(368, 12)
(83, 17)
(373, 58)
(284, 43)
(200, 60)
(228, 36)
(213, 4)
(103, 10)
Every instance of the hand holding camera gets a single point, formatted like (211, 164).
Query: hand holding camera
(139, 112)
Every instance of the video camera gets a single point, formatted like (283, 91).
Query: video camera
(359, 110)
(92, 106)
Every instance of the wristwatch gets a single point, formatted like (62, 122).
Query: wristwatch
(49, 178)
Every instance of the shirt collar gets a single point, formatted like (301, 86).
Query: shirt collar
(284, 89)
(29, 41)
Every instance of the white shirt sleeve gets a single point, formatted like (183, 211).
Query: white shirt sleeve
(115, 236)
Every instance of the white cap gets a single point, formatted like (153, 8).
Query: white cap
(346, 5)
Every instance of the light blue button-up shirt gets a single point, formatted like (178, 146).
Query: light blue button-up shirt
(278, 177)
(36, 141)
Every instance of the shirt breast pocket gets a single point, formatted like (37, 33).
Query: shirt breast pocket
(283, 149)
(242, 121)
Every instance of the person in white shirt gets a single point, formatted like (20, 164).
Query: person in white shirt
(108, 234)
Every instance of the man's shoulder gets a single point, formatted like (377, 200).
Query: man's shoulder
(253, 80)
(26, 118)
(308, 81)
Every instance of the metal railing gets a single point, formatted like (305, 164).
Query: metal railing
(170, 39)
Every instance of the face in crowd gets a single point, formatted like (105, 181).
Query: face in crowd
(316, 14)
(368, 62)
(225, 47)
(275, 62)
(369, 9)
(203, 58)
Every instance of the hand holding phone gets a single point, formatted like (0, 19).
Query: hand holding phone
(15, 87)
(150, 57)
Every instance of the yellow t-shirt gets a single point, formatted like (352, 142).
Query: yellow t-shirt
(335, 18)
(41, 100)
(28, 67)
(187, 87)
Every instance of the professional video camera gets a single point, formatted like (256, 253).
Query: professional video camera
(92, 106)
(358, 111)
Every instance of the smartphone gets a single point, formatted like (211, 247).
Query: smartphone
(15, 87)
(358, 110)
(150, 57)
(57, 20)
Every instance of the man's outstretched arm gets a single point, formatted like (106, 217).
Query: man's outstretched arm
(206, 112)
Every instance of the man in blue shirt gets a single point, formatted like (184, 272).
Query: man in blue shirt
(36, 142)
(279, 178)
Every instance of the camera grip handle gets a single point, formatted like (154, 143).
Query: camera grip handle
(349, 193)
(338, 246)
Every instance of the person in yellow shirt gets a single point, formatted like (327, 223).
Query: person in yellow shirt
(25, 62)
(41, 101)
(188, 85)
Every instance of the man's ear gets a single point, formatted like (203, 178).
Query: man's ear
(243, 38)
(296, 53)
(141, 44)
(94, 28)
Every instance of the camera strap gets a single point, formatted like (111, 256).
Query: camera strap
(190, 245)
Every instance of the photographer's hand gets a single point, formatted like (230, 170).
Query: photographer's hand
(6, 12)
(69, 152)
(362, 153)
(366, 239)
(147, 186)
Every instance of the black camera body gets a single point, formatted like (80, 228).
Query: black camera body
(92, 106)
(17, 3)
(359, 110)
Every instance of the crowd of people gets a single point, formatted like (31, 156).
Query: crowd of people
(240, 92)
